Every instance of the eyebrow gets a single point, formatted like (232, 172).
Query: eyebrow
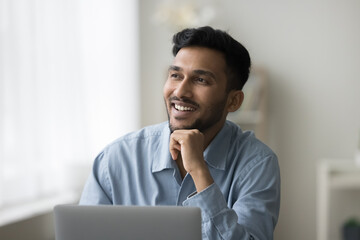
(197, 71)
(174, 68)
(205, 73)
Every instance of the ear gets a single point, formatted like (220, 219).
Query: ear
(235, 99)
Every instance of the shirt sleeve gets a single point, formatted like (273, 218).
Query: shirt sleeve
(254, 212)
(97, 188)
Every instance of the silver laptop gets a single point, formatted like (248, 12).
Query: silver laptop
(110, 222)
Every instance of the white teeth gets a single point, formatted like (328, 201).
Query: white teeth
(182, 108)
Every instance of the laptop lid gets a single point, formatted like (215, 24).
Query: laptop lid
(110, 222)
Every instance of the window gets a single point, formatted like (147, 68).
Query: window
(68, 87)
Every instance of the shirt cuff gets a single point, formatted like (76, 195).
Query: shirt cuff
(210, 200)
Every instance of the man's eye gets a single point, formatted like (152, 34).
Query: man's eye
(174, 75)
(201, 80)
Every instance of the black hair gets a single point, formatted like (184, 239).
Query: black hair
(236, 56)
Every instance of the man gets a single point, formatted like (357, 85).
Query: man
(197, 158)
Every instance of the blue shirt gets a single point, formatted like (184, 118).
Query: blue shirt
(242, 203)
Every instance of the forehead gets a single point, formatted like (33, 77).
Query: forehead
(200, 58)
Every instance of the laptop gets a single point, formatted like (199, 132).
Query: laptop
(110, 222)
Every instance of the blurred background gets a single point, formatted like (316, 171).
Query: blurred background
(76, 74)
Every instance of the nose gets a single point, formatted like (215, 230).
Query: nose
(183, 89)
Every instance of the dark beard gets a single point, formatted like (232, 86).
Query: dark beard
(196, 125)
(203, 124)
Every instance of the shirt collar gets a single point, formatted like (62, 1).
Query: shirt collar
(215, 154)
(162, 158)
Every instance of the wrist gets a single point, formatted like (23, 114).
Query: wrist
(202, 178)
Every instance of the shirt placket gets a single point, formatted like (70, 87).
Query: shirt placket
(187, 187)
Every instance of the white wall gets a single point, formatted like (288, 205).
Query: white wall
(311, 50)
(155, 56)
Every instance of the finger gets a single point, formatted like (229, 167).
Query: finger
(174, 147)
(174, 154)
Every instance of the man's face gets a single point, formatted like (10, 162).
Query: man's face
(195, 90)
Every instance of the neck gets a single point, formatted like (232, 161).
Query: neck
(211, 133)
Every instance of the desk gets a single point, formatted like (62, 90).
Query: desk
(333, 174)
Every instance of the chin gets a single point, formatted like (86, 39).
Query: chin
(194, 125)
(178, 127)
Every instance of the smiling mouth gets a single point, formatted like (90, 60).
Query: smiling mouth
(183, 108)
